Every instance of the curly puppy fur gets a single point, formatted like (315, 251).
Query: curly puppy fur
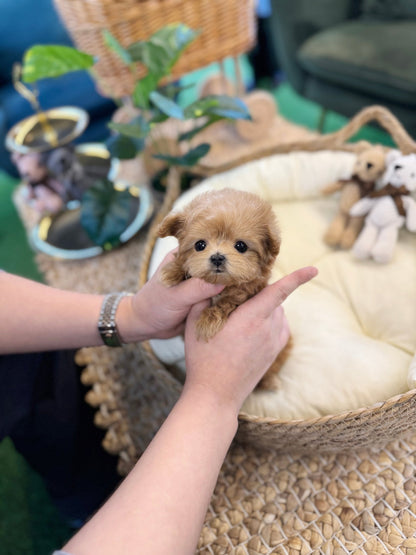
(229, 237)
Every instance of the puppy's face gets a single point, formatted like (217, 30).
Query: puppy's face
(226, 236)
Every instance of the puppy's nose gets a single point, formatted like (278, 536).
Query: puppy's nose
(217, 259)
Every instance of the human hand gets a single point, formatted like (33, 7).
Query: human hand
(159, 312)
(229, 366)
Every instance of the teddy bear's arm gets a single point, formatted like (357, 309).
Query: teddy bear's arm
(362, 207)
(410, 208)
(332, 188)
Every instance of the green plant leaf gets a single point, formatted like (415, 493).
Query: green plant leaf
(114, 45)
(153, 56)
(157, 116)
(189, 159)
(105, 212)
(218, 105)
(43, 61)
(188, 135)
(174, 38)
(124, 148)
(138, 128)
(143, 89)
(172, 89)
(166, 105)
(162, 50)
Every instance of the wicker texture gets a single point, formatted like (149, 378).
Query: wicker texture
(227, 29)
(362, 502)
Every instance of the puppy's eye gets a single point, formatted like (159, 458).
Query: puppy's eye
(200, 245)
(240, 246)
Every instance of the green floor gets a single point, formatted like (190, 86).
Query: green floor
(15, 254)
(29, 523)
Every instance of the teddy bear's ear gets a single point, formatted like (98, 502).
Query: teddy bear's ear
(392, 155)
(171, 225)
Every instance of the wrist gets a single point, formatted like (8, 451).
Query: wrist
(225, 409)
(130, 323)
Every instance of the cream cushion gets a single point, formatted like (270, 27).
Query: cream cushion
(353, 326)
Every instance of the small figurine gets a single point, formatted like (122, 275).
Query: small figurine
(54, 177)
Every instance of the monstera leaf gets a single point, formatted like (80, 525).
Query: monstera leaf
(42, 61)
(105, 212)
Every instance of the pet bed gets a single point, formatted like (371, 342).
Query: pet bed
(354, 330)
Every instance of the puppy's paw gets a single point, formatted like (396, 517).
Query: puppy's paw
(171, 274)
(211, 321)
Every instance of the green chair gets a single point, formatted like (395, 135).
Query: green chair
(348, 54)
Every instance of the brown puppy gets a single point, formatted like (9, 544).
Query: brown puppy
(229, 237)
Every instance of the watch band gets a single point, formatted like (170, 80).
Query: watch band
(107, 319)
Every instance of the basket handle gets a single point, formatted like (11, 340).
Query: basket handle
(331, 141)
(173, 189)
(385, 118)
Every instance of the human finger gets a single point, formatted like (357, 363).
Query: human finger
(275, 294)
(167, 258)
(194, 290)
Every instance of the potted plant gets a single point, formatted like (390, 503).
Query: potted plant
(152, 103)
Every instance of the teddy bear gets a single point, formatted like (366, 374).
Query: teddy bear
(344, 228)
(387, 209)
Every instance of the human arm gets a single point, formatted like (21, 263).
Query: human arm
(160, 507)
(36, 317)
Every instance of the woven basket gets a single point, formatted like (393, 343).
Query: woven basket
(368, 426)
(227, 29)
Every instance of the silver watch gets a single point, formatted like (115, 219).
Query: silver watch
(107, 320)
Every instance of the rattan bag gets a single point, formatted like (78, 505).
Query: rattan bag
(366, 426)
(227, 29)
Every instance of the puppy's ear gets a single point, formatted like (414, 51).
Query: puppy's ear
(173, 224)
(271, 245)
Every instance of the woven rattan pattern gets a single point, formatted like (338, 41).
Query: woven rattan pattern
(227, 29)
(363, 502)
